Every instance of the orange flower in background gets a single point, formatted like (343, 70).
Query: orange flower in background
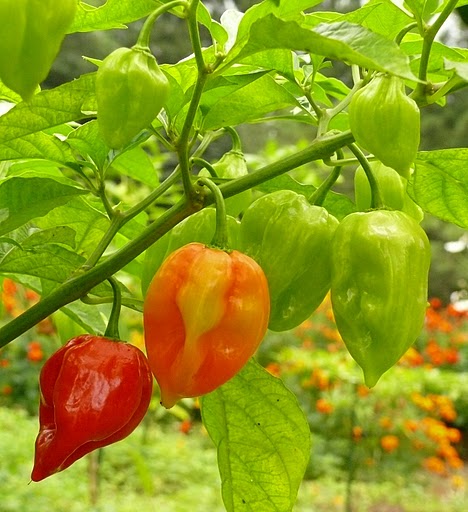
(363, 390)
(458, 481)
(274, 369)
(32, 296)
(323, 406)
(435, 303)
(435, 465)
(357, 433)
(9, 287)
(411, 425)
(389, 443)
(35, 353)
(454, 435)
(412, 358)
(386, 423)
(185, 426)
(7, 390)
(4, 363)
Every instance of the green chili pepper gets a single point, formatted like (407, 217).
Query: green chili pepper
(379, 287)
(31, 33)
(131, 89)
(386, 122)
(291, 240)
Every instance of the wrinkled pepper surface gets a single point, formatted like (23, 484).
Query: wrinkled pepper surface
(199, 227)
(386, 122)
(291, 240)
(379, 287)
(205, 313)
(94, 392)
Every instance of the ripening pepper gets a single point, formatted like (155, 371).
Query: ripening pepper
(291, 240)
(31, 33)
(386, 122)
(199, 227)
(380, 271)
(205, 313)
(233, 165)
(94, 392)
(131, 90)
(392, 189)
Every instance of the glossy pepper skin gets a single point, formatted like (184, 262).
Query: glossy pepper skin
(392, 189)
(205, 313)
(94, 392)
(199, 227)
(291, 240)
(31, 33)
(131, 90)
(386, 122)
(379, 287)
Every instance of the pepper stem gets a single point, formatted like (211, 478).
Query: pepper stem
(112, 330)
(318, 197)
(236, 142)
(220, 239)
(376, 198)
(145, 33)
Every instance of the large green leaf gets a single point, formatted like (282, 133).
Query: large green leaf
(21, 127)
(440, 184)
(263, 441)
(24, 199)
(341, 40)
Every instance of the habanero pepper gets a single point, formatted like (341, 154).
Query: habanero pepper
(31, 33)
(386, 122)
(291, 240)
(94, 392)
(205, 313)
(199, 227)
(131, 90)
(379, 287)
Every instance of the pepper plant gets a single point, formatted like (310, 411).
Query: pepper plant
(64, 234)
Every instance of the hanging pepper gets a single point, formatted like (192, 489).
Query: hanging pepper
(131, 90)
(205, 313)
(291, 240)
(386, 122)
(199, 227)
(31, 33)
(379, 287)
(94, 392)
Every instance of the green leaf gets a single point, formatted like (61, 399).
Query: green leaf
(138, 165)
(460, 68)
(87, 141)
(59, 235)
(24, 199)
(19, 137)
(341, 40)
(113, 14)
(49, 261)
(440, 184)
(80, 215)
(263, 441)
(261, 95)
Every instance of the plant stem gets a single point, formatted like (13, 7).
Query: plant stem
(112, 330)
(420, 92)
(376, 201)
(206, 165)
(81, 284)
(318, 197)
(145, 33)
(220, 238)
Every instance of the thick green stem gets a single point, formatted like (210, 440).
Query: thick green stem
(376, 201)
(80, 285)
(220, 239)
(420, 92)
(145, 33)
(120, 219)
(112, 330)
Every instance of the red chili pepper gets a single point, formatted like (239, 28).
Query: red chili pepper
(94, 392)
(205, 313)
